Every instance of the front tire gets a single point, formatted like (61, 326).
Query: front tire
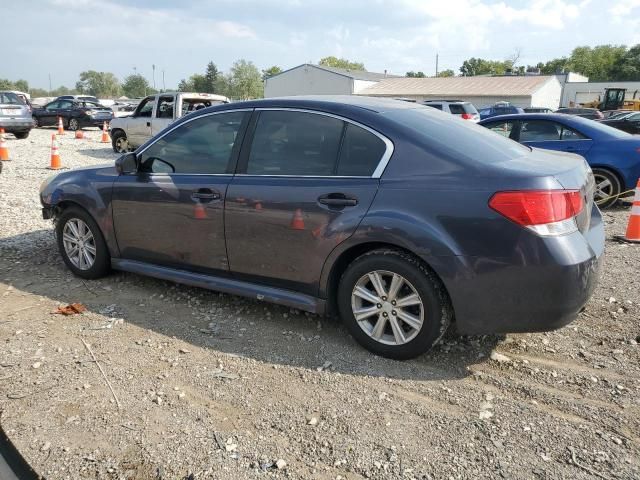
(393, 304)
(74, 124)
(82, 244)
(21, 135)
(119, 142)
(608, 187)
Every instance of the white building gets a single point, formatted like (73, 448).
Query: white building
(521, 91)
(576, 93)
(311, 79)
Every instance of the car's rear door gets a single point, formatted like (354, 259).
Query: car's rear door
(305, 180)
(171, 212)
(552, 135)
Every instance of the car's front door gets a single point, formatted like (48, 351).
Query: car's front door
(552, 135)
(305, 180)
(631, 124)
(139, 125)
(171, 212)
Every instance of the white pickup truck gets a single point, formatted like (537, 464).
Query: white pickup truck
(153, 114)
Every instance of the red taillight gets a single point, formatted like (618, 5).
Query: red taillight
(467, 116)
(537, 207)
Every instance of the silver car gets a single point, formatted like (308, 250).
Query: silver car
(15, 116)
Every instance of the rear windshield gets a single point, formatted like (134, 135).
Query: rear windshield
(599, 127)
(91, 105)
(458, 139)
(10, 98)
(460, 108)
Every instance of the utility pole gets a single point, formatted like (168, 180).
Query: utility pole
(436, 64)
(49, 84)
(153, 67)
(164, 88)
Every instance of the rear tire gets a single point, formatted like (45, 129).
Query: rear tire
(21, 135)
(75, 219)
(36, 122)
(401, 324)
(608, 187)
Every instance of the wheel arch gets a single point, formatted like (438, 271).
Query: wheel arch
(331, 274)
(613, 170)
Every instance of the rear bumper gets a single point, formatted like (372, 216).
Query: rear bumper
(93, 122)
(541, 287)
(12, 125)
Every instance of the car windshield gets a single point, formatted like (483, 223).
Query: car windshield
(9, 98)
(459, 139)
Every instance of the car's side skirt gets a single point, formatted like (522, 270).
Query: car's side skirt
(225, 285)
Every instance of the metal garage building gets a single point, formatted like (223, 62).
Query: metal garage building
(575, 93)
(521, 91)
(311, 79)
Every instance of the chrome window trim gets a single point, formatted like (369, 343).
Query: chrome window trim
(378, 171)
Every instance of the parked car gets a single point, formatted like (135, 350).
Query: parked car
(611, 114)
(627, 123)
(500, 108)
(76, 114)
(464, 110)
(393, 215)
(537, 110)
(613, 155)
(15, 116)
(154, 113)
(84, 98)
(590, 113)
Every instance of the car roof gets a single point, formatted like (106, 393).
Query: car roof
(322, 102)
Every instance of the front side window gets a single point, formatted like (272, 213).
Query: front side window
(295, 143)
(202, 146)
(145, 109)
(539, 131)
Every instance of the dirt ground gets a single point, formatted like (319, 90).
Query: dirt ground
(214, 386)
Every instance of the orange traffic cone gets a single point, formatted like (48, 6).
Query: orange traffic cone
(4, 151)
(633, 228)
(79, 134)
(258, 205)
(297, 223)
(60, 126)
(105, 134)
(199, 212)
(56, 164)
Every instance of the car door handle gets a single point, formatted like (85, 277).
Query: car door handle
(205, 194)
(336, 200)
(148, 124)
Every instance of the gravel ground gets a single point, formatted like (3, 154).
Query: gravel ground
(216, 386)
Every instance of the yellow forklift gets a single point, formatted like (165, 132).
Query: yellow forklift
(614, 99)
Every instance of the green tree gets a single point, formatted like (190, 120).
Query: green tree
(245, 80)
(21, 85)
(628, 67)
(6, 84)
(446, 73)
(413, 74)
(341, 63)
(270, 72)
(99, 84)
(212, 78)
(135, 86)
(599, 63)
(480, 66)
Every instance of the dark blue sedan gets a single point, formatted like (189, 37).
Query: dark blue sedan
(613, 155)
(395, 216)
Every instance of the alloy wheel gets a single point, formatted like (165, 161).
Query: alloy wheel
(73, 124)
(604, 188)
(122, 145)
(387, 307)
(79, 244)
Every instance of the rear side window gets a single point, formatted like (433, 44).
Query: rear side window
(361, 152)
(437, 106)
(295, 143)
(202, 146)
(502, 128)
(165, 107)
(539, 131)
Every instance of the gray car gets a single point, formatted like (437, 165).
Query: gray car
(398, 218)
(15, 115)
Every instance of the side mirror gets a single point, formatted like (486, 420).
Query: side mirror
(127, 163)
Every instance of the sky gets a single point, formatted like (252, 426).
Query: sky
(61, 38)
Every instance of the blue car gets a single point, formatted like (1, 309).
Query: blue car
(613, 155)
(499, 109)
(395, 216)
